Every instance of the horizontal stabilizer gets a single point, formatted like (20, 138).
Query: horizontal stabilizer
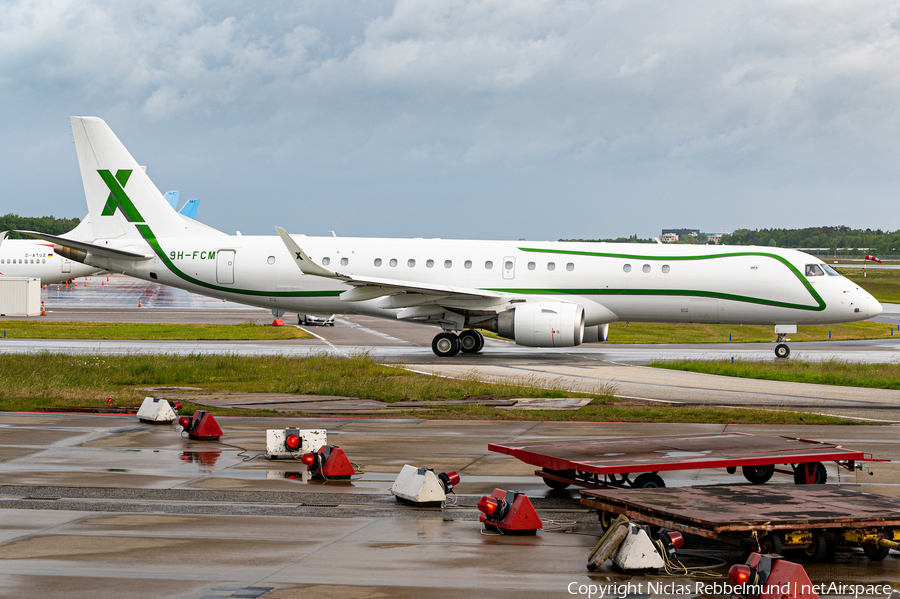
(97, 250)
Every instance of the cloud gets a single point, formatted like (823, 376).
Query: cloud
(688, 102)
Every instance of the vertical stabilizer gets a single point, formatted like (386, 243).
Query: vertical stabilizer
(119, 194)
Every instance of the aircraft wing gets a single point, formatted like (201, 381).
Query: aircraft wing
(397, 292)
(84, 246)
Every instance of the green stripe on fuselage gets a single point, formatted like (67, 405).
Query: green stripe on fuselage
(148, 235)
(820, 303)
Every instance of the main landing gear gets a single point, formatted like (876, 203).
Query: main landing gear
(449, 344)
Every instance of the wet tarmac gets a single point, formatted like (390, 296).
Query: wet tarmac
(105, 506)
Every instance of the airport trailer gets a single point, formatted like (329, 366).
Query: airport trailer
(600, 462)
(770, 519)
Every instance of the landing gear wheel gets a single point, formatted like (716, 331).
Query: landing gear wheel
(445, 345)
(648, 480)
(782, 351)
(820, 477)
(771, 543)
(815, 553)
(758, 474)
(471, 341)
(556, 484)
(875, 553)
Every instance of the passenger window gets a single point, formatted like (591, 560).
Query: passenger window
(410, 263)
(468, 264)
(551, 266)
(377, 261)
(646, 268)
(570, 267)
(489, 265)
(326, 261)
(429, 263)
(448, 263)
(393, 262)
(665, 268)
(345, 261)
(271, 259)
(531, 266)
(627, 268)
(43, 261)
(508, 265)
(813, 270)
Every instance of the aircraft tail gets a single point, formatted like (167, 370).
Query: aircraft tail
(190, 209)
(120, 195)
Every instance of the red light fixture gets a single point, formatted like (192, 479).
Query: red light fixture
(740, 574)
(185, 422)
(448, 479)
(176, 405)
(309, 459)
(292, 442)
(494, 509)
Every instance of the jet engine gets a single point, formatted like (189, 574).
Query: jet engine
(540, 324)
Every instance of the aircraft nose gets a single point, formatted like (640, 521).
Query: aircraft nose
(873, 306)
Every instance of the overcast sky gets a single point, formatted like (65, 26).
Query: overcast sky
(503, 119)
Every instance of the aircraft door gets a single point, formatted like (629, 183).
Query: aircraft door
(225, 266)
(66, 266)
(509, 268)
(704, 310)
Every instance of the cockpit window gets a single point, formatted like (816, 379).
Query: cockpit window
(813, 270)
(830, 271)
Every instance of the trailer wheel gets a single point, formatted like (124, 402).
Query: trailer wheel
(731, 469)
(815, 553)
(606, 519)
(820, 478)
(771, 543)
(758, 474)
(555, 484)
(649, 480)
(875, 553)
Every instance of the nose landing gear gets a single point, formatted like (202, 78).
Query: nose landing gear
(448, 344)
(782, 350)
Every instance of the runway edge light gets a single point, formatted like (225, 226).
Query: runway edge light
(777, 577)
(510, 512)
(329, 463)
(422, 487)
(293, 442)
(201, 426)
(156, 410)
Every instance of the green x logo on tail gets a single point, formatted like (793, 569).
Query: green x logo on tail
(117, 196)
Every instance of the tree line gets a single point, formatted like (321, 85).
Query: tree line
(841, 240)
(42, 224)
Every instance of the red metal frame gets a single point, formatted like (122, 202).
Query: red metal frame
(591, 458)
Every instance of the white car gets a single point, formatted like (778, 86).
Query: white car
(313, 320)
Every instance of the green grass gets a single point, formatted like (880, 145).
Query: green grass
(30, 382)
(884, 285)
(32, 329)
(874, 376)
(719, 333)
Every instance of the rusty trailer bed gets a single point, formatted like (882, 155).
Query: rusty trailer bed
(585, 462)
(714, 511)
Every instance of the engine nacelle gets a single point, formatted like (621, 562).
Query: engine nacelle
(541, 324)
(596, 334)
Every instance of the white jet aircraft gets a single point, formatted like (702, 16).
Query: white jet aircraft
(31, 258)
(540, 294)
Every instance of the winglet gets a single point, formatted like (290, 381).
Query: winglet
(303, 262)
